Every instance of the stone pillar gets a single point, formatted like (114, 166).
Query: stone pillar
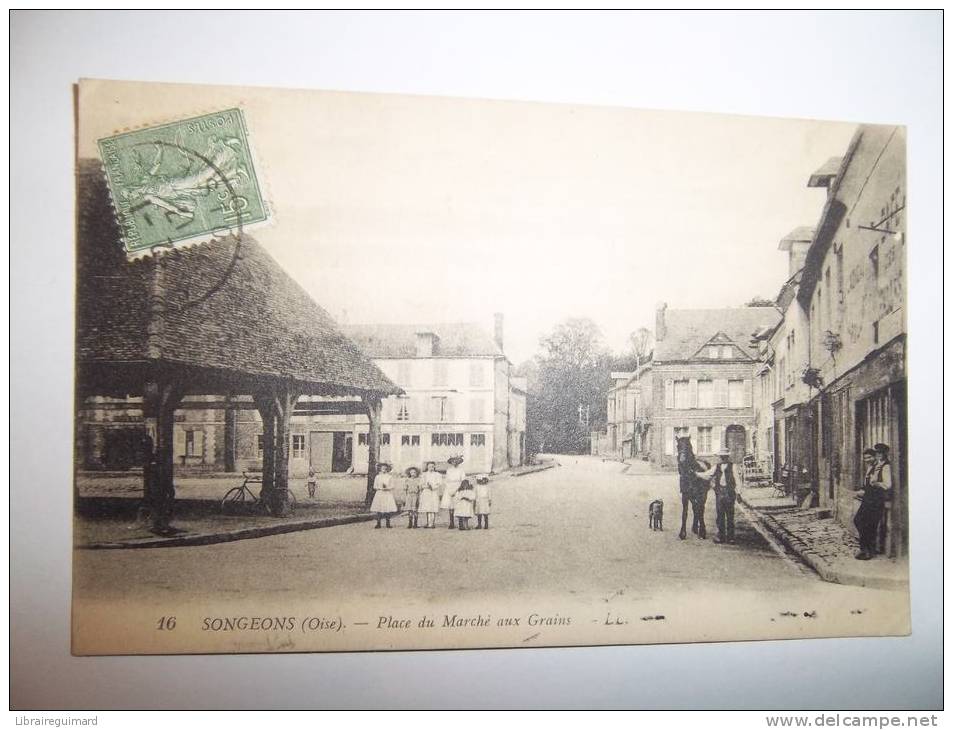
(160, 399)
(374, 407)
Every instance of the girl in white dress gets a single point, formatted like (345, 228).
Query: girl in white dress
(483, 502)
(383, 504)
(430, 485)
(412, 486)
(454, 477)
(464, 503)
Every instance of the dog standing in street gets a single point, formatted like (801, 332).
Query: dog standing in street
(656, 508)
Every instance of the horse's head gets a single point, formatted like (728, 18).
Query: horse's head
(683, 447)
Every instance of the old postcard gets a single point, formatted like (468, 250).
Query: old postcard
(375, 372)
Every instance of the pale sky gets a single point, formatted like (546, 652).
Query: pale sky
(419, 209)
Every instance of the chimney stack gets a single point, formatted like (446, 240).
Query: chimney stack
(660, 321)
(427, 343)
(498, 329)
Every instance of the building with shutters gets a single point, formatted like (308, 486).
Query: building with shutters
(701, 378)
(627, 415)
(460, 396)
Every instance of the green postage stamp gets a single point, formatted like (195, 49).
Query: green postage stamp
(183, 182)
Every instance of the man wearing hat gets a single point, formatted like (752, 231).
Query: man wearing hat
(723, 482)
(878, 488)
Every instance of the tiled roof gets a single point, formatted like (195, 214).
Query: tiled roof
(688, 330)
(258, 322)
(457, 339)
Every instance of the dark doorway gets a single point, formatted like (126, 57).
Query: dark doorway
(341, 455)
(736, 441)
(122, 448)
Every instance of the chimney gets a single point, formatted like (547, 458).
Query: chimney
(660, 321)
(427, 343)
(498, 329)
(797, 256)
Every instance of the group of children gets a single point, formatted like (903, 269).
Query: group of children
(431, 492)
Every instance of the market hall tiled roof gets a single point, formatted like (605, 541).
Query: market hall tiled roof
(456, 339)
(259, 322)
(688, 330)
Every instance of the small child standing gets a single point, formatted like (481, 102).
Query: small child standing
(464, 504)
(483, 502)
(312, 482)
(412, 495)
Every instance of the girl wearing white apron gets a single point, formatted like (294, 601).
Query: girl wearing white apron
(430, 484)
(464, 503)
(383, 504)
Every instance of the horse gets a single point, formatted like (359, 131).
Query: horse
(694, 488)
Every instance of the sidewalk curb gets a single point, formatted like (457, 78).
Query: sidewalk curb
(534, 470)
(211, 538)
(818, 565)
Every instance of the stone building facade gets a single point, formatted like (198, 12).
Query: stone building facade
(701, 379)
(854, 291)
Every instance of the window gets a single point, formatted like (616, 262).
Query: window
(297, 446)
(439, 372)
(477, 409)
(875, 263)
(404, 374)
(446, 439)
(261, 445)
(681, 394)
(727, 352)
(403, 409)
(713, 352)
(410, 439)
(736, 394)
(477, 374)
(706, 394)
(441, 408)
(362, 439)
(876, 333)
(190, 443)
(704, 439)
(385, 439)
(477, 439)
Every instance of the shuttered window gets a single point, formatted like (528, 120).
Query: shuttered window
(682, 394)
(736, 394)
(706, 394)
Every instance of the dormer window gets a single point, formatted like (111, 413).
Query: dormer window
(713, 352)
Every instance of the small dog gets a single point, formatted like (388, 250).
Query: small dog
(655, 514)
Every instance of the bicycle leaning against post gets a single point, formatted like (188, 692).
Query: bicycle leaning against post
(239, 499)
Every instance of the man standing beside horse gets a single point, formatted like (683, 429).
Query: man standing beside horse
(723, 482)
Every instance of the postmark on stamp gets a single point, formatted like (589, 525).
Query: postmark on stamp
(183, 182)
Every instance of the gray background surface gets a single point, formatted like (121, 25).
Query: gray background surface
(857, 66)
